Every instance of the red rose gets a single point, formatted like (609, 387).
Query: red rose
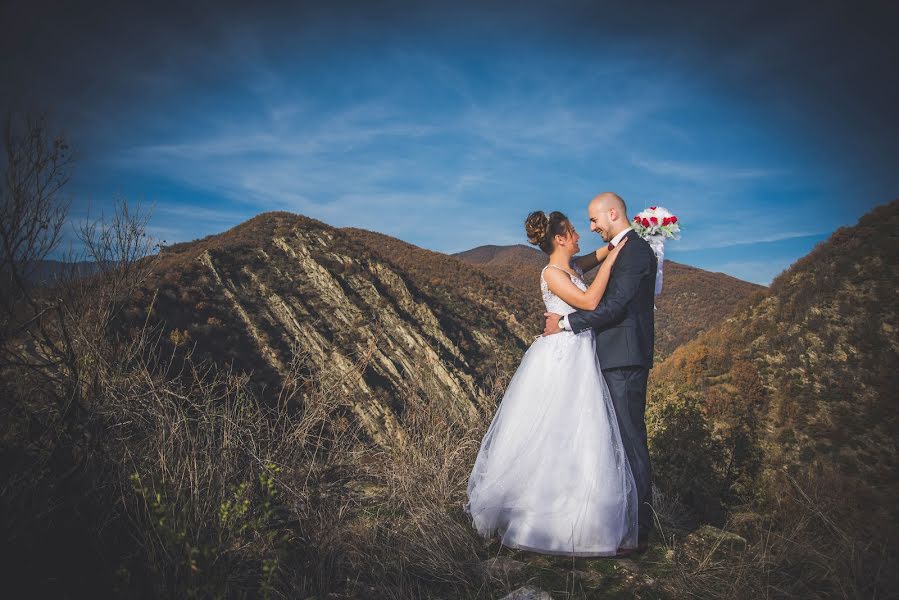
(666, 220)
(636, 219)
(645, 222)
(652, 208)
(674, 219)
(653, 220)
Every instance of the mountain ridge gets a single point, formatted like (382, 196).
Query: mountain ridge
(281, 286)
(692, 299)
(815, 360)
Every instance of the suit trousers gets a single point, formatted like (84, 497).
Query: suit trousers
(627, 386)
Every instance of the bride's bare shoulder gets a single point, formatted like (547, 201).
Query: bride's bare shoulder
(557, 277)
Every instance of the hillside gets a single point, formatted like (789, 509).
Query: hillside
(174, 480)
(282, 288)
(815, 362)
(504, 256)
(454, 281)
(692, 301)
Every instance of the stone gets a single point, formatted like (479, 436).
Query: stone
(628, 565)
(503, 567)
(708, 535)
(590, 578)
(528, 592)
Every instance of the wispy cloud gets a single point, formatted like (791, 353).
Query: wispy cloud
(450, 153)
(724, 237)
(369, 163)
(702, 172)
(192, 214)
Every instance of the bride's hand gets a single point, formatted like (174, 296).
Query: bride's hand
(614, 253)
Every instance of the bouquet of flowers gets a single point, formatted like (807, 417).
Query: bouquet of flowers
(656, 220)
(655, 224)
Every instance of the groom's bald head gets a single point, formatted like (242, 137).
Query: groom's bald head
(609, 200)
(608, 215)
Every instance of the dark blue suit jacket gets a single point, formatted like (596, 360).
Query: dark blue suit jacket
(624, 320)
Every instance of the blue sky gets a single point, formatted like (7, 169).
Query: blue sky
(446, 128)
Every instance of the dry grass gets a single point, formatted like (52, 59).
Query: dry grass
(416, 508)
(798, 547)
(222, 495)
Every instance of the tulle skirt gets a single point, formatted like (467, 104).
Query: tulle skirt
(551, 474)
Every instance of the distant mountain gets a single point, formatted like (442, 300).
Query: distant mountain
(517, 265)
(48, 271)
(282, 288)
(504, 256)
(692, 300)
(455, 283)
(815, 361)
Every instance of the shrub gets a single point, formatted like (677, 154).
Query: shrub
(179, 338)
(685, 455)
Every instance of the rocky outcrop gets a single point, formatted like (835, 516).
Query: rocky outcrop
(282, 289)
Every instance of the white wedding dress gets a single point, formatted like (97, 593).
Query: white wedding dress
(551, 475)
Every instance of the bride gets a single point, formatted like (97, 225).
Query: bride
(551, 475)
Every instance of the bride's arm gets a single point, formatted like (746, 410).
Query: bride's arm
(588, 262)
(561, 285)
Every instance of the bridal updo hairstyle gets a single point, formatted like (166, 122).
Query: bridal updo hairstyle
(542, 229)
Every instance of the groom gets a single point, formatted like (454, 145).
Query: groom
(624, 325)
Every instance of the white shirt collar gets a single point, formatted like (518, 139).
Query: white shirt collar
(620, 235)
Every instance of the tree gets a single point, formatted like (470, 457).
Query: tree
(59, 331)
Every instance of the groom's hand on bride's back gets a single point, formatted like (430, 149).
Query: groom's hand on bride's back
(552, 323)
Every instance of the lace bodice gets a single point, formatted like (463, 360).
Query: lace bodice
(553, 303)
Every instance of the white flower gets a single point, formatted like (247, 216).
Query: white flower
(660, 213)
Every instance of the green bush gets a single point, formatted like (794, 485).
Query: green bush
(204, 558)
(686, 457)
